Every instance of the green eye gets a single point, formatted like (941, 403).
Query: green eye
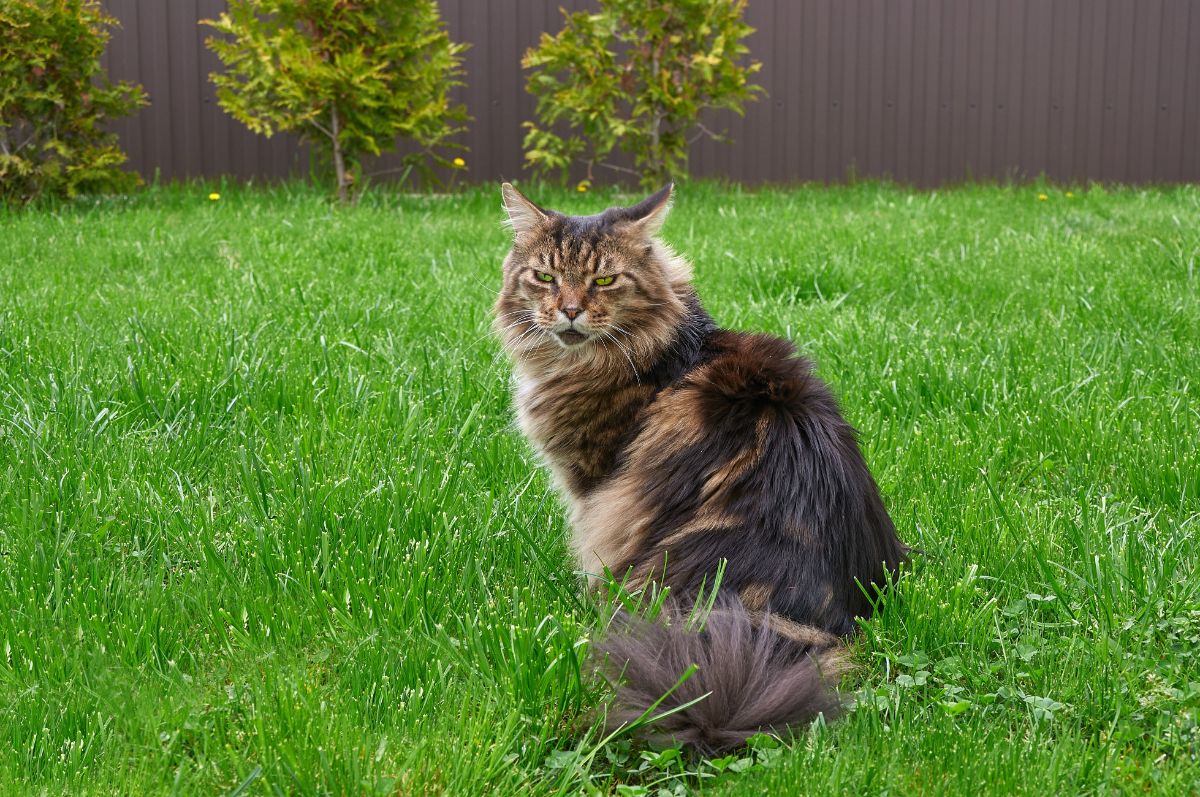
(543, 276)
(602, 281)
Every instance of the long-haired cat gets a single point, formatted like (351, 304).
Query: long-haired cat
(676, 445)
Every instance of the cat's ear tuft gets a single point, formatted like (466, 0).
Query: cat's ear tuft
(523, 216)
(647, 217)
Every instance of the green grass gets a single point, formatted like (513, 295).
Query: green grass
(266, 525)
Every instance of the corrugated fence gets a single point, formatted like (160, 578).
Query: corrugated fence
(920, 91)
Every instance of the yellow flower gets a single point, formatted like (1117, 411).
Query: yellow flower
(582, 187)
(459, 163)
(1042, 197)
(214, 196)
(1070, 195)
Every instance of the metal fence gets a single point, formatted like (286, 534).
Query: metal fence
(920, 91)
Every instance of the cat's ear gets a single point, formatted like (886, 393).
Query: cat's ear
(523, 216)
(646, 218)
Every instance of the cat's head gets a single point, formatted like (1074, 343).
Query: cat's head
(596, 289)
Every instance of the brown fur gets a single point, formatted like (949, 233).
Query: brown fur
(677, 446)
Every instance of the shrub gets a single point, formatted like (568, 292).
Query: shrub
(636, 76)
(349, 75)
(54, 102)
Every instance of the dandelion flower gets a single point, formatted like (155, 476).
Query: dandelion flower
(1069, 195)
(1042, 197)
(582, 187)
(459, 163)
(214, 196)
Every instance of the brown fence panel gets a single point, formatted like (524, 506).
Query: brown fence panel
(925, 92)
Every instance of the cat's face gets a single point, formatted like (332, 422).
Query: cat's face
(588, 286)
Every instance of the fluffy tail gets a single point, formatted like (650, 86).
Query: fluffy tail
(760, 673)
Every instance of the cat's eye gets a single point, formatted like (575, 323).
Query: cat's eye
(602, 281)
(543, 276)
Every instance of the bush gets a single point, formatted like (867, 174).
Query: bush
(54, 102)
(349, 75)
(636, 76)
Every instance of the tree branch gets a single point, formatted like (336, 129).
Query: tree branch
(407, 168)
(321, 128)
(704, 131)
(621, 169)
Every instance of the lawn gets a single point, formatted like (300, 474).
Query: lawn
(266, 525)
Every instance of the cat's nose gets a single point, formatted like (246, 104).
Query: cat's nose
(571, 312)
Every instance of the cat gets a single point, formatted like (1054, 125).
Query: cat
(677, 444)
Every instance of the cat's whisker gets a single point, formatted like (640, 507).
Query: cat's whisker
(514, 324)
(533, 329)
(622, 330)
(524, 334)
(515, 312)
(530, 346)
(526, 320)
(525, 315)
(490, 288)
(472, 344)
(625, 354)
(633, 339)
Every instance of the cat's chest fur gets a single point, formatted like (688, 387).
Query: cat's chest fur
(578, 428)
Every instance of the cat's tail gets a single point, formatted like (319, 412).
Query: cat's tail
(754, 672)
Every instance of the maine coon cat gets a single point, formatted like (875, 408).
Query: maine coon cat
(677, 444)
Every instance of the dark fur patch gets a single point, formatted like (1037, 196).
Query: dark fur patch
(804, 514)
(691, 347)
